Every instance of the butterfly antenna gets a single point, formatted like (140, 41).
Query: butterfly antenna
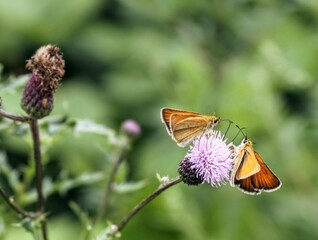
(240, 131)
(228, 128)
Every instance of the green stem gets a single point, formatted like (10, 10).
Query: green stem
(109, 186)
(147, 200)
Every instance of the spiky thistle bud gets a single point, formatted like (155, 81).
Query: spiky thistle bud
(47, 66)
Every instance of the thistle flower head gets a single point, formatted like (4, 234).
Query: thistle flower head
(47, 66)
(209, 160)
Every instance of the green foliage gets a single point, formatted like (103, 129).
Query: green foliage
(253, 62)
(107, 234)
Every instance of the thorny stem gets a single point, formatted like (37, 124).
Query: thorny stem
(147, 200)
(39, 173)
(15, 207)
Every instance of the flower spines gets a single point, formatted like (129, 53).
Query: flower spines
(47, 66)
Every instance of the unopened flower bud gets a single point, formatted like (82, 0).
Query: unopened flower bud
(131, 128)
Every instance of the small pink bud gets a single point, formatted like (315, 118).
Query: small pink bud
(131, 128)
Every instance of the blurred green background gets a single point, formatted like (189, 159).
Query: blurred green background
(254, 62)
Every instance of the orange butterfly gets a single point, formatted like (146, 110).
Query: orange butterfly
(250, 173)
(184, 126)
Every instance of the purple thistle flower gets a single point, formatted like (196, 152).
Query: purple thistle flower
(208, 160)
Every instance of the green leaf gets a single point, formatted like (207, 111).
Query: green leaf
(129, 187)
(11, 174)
(64, 185)
(30, 226)
(14, 84)
(82, 216)
(1, 70)
(84, 179)
(87, 126)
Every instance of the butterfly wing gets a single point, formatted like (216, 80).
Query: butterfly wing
(248, 165)
(246, 186)
(166, 114)
(265, 179)
(237, 165)
(184, 126)
(165, 117)
(245, 166)
(184, 131)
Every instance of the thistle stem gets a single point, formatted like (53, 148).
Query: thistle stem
(14, 117)
(14, 206)
(147, 200)
(109, 186)
(39, 173)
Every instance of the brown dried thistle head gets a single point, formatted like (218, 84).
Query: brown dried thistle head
(47, 66)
